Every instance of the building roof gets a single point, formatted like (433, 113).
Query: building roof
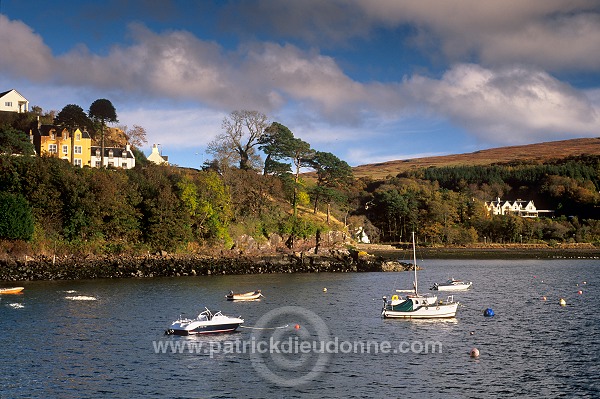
(45, 130)
(8, 91)
(117, 152)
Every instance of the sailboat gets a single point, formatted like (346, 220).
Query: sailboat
(416, 306)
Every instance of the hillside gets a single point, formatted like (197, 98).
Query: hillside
(540, 152)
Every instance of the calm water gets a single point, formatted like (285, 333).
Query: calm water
(56, 345)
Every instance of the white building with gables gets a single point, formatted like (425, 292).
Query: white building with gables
(519, 207)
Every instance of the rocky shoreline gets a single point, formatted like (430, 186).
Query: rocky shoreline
(365, 258)
(165, 265)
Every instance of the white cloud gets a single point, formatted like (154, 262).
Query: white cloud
(25, 53)
(511, 105)
(175, 128)
(503, 105)
(551, 34)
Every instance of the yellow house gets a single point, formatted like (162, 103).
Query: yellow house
(56, 141)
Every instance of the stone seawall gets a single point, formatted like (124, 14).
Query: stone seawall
(71, 268)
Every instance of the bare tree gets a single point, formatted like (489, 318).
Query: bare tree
(135, 136)
(242, 131)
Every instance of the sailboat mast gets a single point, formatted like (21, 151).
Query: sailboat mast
(415, 262)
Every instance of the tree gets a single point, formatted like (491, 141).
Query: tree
(135, 136)
(333, 174)
(72, 117)
(14, 141)
(277, 143)
(301, 155)
(16, 218)
(242, 132)
(102, 110)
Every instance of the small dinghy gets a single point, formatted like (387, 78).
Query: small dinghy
(205, 323)
(248, 296)
(11, 290)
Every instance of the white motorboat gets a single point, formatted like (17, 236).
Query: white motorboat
(205, 323)
(452, 285)
(416, 306)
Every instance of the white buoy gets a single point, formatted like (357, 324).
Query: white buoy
(562, 302)
(474, 353)
(325, 289)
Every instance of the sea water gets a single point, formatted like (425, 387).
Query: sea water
(105, 338)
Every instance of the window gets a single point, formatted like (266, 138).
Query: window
(77, 162)
(97, 164)
(110, 153)
(65, 134)
(53, 136)
(8, 104)
(78, 136)
(97, 153)
(124, 154)
(111, 164)
(77, 149)
(124, 165)
(52, 148)
(65, 149)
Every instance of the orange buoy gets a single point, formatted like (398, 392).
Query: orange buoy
(580, 292)
(297, 326)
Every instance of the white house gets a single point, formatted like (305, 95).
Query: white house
(519, 207)
(156, 157)
(13, 101)
(113, 157)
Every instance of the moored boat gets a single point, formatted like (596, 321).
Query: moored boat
(416, 306)
(248, 296)
(205, 323)
(452, 285)
(11, 290)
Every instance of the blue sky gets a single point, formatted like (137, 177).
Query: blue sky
(369, 81)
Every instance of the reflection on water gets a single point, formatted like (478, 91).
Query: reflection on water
(72, 348)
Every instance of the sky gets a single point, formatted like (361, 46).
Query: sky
(369, 81)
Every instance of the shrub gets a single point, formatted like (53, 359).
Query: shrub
(16, 218)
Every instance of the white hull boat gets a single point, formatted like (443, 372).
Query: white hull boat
(416, 306)
(452, 285)
(205, 323)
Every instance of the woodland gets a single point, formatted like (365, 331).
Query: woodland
(263, 181)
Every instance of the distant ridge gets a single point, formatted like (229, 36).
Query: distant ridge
(540, 152)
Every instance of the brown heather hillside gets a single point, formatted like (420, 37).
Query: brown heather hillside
(535, 153)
